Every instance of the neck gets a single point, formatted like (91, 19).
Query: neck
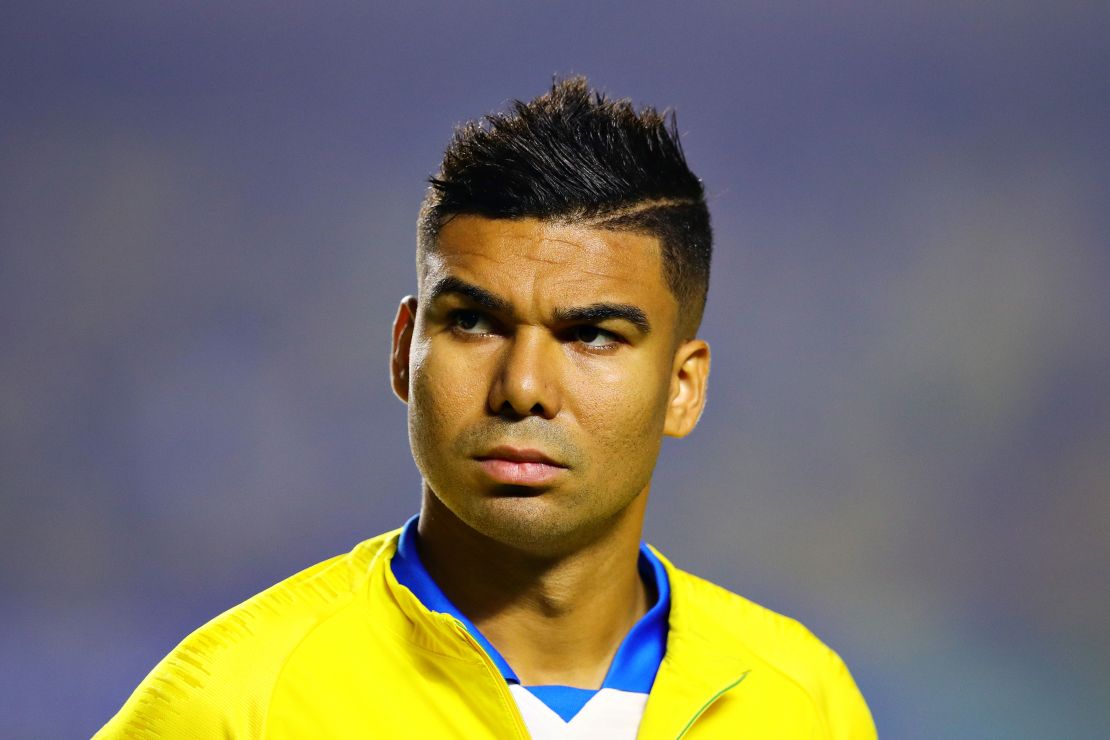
(556, 619)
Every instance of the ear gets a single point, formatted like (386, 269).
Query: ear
(403, 327)
(689, 377)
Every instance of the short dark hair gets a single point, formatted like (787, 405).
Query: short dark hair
(573, 154)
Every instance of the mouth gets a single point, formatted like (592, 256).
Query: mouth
(519, 467)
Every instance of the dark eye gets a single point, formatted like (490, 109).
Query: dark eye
(591, 336)
(466, 319)
(470, 322)
(586, 334)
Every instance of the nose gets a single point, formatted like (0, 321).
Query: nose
(525, 382)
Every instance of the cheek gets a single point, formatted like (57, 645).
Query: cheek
(623, 408)
(443, 389)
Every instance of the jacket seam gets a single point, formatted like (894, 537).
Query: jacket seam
(710, 702)
(280, 672)
(754, 653)
(823, 720)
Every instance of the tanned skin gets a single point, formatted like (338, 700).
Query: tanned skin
(542, 363)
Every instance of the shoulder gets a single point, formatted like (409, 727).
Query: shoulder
(739, 625)
(218, 680)
(774, 645)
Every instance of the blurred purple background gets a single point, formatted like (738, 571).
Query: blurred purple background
(207, 217)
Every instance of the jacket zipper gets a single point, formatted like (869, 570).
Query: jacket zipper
(491, 669)
(705, 706)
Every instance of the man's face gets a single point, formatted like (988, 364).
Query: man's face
(542, 367)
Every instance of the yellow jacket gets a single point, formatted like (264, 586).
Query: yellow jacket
(342, 650)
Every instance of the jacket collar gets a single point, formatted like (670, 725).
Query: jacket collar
(638, 658)
(390, 605)
(700, 665)
(701, 662)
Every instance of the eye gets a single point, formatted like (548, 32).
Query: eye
(470, 322)
(591, 336)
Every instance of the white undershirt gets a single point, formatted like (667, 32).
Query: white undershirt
(611, 714)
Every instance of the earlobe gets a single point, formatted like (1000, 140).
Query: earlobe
(689, 378)
(403, 327)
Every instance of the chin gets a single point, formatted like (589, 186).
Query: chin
(534, 524)
(529, 523)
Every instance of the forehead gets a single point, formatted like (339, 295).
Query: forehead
(542, 261)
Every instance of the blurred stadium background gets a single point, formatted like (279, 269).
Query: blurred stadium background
(206, 221)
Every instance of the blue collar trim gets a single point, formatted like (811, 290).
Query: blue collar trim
(409, 570)
(640, 653)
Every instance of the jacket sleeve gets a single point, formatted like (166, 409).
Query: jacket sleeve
(187, 696)
(846, 712)
(217, 683)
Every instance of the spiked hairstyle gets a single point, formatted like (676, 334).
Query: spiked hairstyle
(572, 155)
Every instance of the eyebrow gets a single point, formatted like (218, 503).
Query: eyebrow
(590, 314)
(595, 313)
(481, 296)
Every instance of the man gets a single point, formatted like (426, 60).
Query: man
(562, 265)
